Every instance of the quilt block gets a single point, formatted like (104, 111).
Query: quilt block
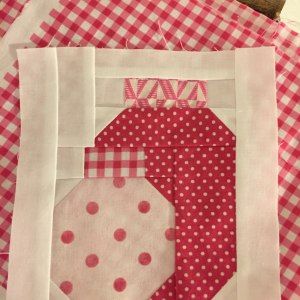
(147, 201)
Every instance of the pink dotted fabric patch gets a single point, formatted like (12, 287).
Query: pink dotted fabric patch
(166, 291)
(120, 234)
(67, 237)
(120, 284)
(66, 287)
(189, 158)
(205, 220)
(170, 127)
(92, 260)
(110, 238)
(92, 207)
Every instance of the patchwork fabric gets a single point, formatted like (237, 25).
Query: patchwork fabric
(71, 15)
(115, 231)
(193, 149)
(184, 196)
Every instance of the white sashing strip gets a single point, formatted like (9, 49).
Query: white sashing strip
(76, 72)
(256, 175)
(30, 248)
(114, 63)
(221, 93)
(110, 92)
(70, 163)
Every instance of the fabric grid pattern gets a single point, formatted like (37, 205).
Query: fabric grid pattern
(281, 35)
(175, 26)
(114, 162)
(9, 11)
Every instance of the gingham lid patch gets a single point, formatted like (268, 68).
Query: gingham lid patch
(114, 162)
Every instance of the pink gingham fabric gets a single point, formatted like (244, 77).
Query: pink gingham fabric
(9, 11)
(170, 25)
(279, 33)
(114, 162)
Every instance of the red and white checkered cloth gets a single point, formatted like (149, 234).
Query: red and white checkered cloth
(9, 11)
(114, 162)
(193, 26)
(279, 33)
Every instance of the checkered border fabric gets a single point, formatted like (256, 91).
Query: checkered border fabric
(9, 11)
(114, 162)
(171, 25)
(279, 33)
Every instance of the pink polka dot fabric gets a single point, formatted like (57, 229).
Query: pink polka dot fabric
(113, 238)
(195, 152)
(176, 224)
(165, 128)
